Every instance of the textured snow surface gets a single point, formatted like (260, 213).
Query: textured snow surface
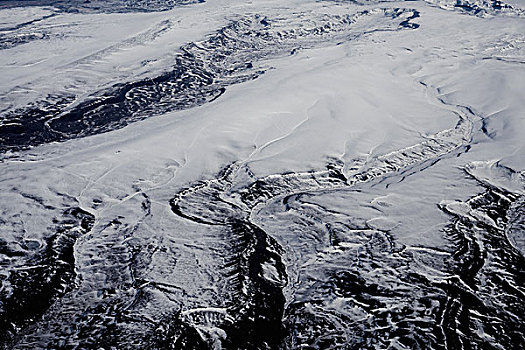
(262, 174)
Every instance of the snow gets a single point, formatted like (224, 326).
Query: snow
(357, 100)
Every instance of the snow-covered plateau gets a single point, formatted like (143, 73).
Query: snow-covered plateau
(270, 174)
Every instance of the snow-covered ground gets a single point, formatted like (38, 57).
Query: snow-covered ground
(263, 174)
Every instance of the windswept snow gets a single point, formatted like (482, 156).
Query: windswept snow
(270, 174)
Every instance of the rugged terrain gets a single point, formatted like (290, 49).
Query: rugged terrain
(262, 175)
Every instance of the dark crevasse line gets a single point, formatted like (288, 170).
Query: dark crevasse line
(200, 74)
(24, 24)
(44, 279)
(486, 301)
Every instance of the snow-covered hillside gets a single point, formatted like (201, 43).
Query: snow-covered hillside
(262, 174)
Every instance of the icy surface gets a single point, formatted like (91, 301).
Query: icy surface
(262, 175)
